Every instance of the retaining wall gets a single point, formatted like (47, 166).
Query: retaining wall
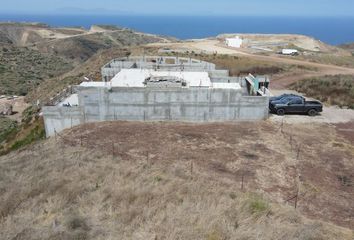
(58, 118)
(145, 104)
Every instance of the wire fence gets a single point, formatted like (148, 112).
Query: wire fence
(243, 175)
(296, 149)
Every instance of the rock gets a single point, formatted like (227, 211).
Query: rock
(6, 109)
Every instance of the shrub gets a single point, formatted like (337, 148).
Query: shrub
(7, 129)
(257, 205)
(334, 90)
(35, 134)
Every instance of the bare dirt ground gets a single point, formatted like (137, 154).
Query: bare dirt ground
(331, 115)
(19, 105)
(346, 130)
(181, 181)
(266, 154)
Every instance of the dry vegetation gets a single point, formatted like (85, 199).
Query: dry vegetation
(7, 127)
(22, 69)
(33, 53)
(179, 181)
(242, 65)
(330, 59)
(334, 90)
(15, 135)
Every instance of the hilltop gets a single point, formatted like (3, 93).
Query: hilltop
(279, 41)
(174, 180)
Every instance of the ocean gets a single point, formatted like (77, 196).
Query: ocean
(327, 29)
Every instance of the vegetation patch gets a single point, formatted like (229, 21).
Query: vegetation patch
(334, 90)
(37, 133)
(8, 127)
(22, 69)
(331, 59)
(14, 136)
(256, 205)
(243, 65)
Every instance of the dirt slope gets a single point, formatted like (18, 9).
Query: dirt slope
(179, 181)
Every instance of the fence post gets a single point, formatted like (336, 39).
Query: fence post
(281, 126)
(296, 198)
(191, 167)
(298, 152)
(113, 150)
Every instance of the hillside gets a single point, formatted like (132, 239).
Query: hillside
(179, 181)
(22, 69)
(283, 178)
(348, 46)
(81, 48)
(26, 34)
(33, 53)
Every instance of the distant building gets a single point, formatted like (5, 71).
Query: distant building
(291, 52)
(235, 42)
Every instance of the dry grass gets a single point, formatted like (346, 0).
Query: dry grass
(59, 190)
(335, 90)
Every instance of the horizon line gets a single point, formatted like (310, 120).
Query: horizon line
(125, 14)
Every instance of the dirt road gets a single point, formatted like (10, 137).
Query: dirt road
(278, 82)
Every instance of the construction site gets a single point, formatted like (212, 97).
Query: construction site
(159, 88)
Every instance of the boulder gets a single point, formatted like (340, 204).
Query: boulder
(6, 109)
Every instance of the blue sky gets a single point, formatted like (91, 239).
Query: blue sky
(336, 8)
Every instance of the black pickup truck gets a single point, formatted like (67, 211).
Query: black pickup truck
(295, 104)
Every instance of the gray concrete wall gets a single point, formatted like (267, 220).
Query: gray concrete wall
(145, 104)
(196, 105)
(165, 63)
(57, 119)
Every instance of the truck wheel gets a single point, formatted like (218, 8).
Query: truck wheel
(281, 112)
(312, 112)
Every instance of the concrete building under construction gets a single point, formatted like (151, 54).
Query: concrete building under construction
(160, 89)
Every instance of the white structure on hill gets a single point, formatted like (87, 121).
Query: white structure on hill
(234, 42)
(290, 52)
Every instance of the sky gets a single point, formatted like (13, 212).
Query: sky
(335, 8)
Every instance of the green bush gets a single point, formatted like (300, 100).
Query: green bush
(257, 205)
(35, 134)
(7, 128)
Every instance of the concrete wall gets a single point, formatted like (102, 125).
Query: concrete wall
(196, 105)
(158, 63)
(145, 104)
(57, 118)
